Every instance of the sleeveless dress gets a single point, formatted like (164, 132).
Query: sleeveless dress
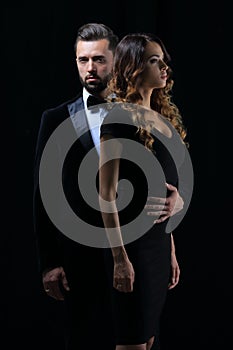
(136, 315)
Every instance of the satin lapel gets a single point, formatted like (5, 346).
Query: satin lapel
(79, 120)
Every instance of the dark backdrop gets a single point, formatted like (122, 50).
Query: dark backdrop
(38, 72)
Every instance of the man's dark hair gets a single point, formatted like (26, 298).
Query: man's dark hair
(96, 31)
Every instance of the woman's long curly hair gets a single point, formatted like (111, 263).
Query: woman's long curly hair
(128, 64)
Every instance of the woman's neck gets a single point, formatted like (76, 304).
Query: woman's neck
(146, 95)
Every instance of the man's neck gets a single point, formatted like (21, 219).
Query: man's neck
(101, 95)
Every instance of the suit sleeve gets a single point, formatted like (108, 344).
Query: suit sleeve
(47, 235)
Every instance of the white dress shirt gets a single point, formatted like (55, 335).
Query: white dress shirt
(95, 117)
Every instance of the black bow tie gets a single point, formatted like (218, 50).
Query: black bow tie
(93, 101)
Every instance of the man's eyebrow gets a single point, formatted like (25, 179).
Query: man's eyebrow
(93, 57)
(98, 56)
(81, 57)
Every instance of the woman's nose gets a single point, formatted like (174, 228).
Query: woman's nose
(163, 65)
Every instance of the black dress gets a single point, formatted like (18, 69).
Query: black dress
(136, 315)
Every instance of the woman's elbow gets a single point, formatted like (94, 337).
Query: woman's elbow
(107, 194)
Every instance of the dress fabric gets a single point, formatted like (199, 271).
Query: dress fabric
(137, 314)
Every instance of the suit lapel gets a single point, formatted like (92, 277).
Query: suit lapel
(79, 120)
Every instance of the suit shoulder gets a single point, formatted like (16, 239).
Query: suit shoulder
(61, 107)
(58, 113)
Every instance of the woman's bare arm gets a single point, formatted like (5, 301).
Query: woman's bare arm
(110, 152)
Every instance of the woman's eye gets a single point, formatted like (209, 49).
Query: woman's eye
(154, 60)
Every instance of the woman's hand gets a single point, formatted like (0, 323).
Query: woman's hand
(175, 272)
(123, 276)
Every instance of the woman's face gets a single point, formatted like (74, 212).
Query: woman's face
(155, 72)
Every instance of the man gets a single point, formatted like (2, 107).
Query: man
(72, 271)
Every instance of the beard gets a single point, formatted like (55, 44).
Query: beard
(96, 88)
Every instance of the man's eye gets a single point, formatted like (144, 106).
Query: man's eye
(100, 60)
(82, 60)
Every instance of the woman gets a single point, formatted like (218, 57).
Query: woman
(139, 263)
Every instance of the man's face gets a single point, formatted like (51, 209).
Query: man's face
(94, 62)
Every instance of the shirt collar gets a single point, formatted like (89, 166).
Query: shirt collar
(85, 97)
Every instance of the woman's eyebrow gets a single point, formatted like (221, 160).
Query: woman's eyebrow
(156, 55)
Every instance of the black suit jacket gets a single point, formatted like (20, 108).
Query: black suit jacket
(88, 301)
(54, 248)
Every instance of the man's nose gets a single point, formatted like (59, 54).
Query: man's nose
(91, 67)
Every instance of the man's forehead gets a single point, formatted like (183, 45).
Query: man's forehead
(92, 48)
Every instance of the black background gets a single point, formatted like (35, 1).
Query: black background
(38, 72)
